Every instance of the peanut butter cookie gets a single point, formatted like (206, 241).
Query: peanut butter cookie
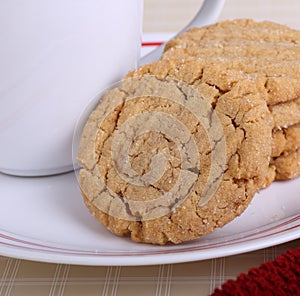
(265, 49)
(170, 154)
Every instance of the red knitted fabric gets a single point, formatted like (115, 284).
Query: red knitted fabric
(280, 277)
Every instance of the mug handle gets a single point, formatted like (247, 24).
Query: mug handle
(207, 14)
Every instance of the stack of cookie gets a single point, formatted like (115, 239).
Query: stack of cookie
(182, 145)
(269, 51)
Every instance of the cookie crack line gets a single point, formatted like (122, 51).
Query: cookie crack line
(107, 138)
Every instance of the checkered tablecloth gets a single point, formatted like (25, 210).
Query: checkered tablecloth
(22, 278)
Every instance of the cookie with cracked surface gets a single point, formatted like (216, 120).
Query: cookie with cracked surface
(167, 157)
(270, 49)
(224, 73)
(236, 48)
(280, 78)
(240, 29)
(272, 78)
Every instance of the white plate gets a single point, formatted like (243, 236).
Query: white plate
(45, 219)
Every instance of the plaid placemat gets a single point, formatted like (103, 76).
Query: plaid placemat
(21, 277)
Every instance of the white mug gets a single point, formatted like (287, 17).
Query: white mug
(54, 56)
